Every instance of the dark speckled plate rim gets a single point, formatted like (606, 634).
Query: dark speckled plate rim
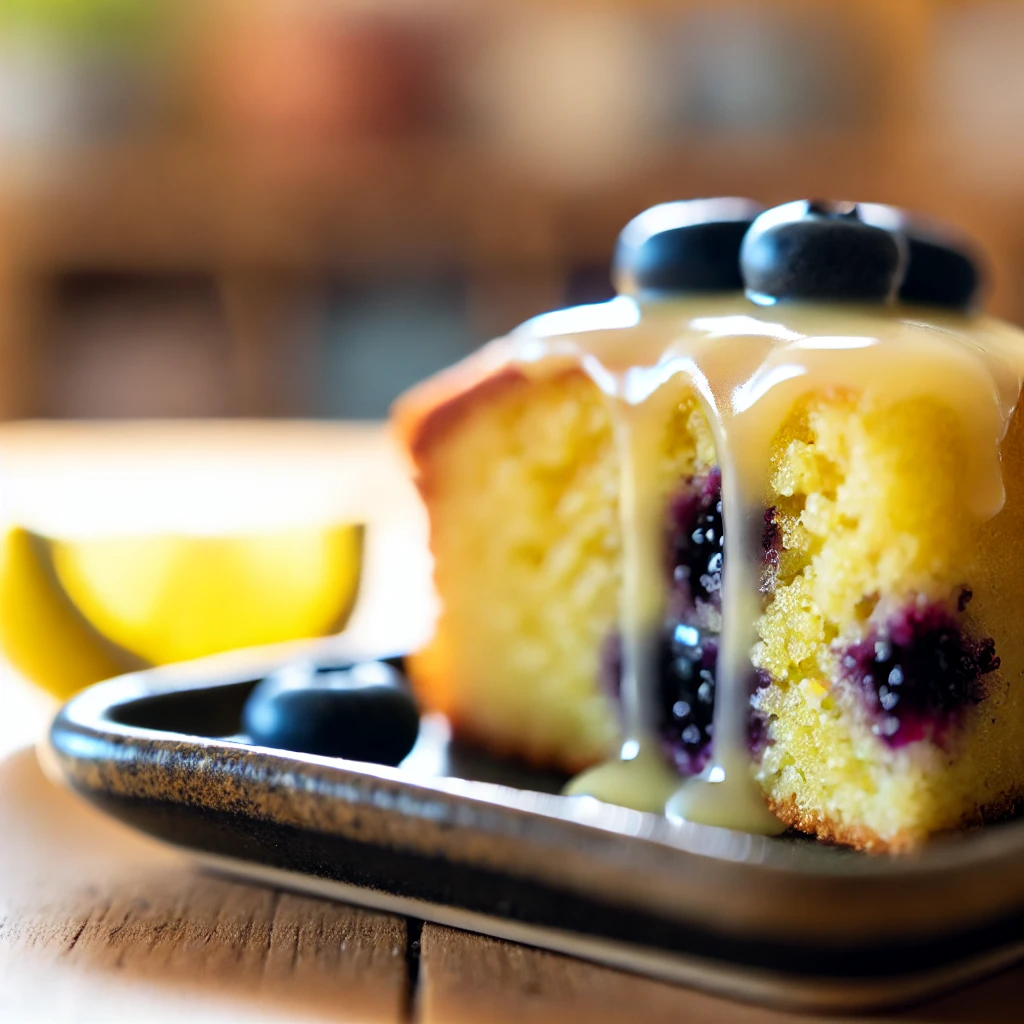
(791, 923)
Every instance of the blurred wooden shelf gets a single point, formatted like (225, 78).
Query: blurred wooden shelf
(266, 218)
(359, 208)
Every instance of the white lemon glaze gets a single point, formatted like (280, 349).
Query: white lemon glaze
(749, 364)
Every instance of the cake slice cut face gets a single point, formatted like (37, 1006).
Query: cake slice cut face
(760, 565)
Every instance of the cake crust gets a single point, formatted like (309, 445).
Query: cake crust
(867, 840)
(427, 411)
(465, 433)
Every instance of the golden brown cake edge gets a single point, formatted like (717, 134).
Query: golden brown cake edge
(420, 419)
(866, 840)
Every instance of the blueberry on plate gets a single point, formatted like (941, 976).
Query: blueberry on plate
(690, 246)
(361, 712)
(817, 250)
(943, 268)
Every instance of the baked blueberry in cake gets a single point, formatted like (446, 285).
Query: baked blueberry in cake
(743, 544)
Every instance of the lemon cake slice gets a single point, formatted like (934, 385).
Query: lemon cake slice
(749, 553)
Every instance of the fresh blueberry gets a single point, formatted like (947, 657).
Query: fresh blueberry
(943, 269)
(689, 246)
(820, 251)
(917, 672)
(362, 712)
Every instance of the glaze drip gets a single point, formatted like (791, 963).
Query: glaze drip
(748, 364)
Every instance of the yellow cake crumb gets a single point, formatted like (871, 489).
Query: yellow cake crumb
(521, 477)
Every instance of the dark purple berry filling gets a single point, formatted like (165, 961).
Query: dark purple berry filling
(687, 648)
(917, 672)
(686, 700)
(688, 651)
(696, 544)
(686, 696)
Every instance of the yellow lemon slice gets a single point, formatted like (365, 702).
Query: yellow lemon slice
(171, 598)
(42, 633)
(75, 612)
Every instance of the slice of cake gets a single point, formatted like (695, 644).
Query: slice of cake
(744, 553)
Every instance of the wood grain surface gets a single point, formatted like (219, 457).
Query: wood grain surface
(100, 924)
(468, 979)
(84, 899)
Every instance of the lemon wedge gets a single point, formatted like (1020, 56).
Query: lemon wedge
(42, 633)
(73, 612)
(171, 598)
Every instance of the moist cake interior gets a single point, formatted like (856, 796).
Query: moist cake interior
(725, 558)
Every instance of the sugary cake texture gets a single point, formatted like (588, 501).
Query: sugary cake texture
(521, 486)
(522, 483)
(890, 634)
(883, 709)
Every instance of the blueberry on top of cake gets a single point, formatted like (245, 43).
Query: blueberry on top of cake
(787, 519)
(682, 248)
(944, 269)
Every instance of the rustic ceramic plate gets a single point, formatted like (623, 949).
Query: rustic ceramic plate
(489, 847)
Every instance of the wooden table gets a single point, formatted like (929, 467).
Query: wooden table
(98, 923)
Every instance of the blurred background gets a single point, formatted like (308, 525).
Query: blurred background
(298, 207)
(262, 220)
